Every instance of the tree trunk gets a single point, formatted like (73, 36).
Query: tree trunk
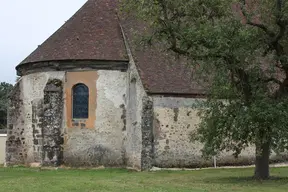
(262, 161)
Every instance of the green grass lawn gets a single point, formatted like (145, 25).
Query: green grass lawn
(214, 180)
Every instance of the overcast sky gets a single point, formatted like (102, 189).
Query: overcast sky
(25, 24)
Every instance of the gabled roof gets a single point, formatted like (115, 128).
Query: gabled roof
(93, 33)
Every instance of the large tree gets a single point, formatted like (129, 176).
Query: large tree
(240, 48)
(5, 89)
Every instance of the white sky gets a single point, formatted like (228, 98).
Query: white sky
(25, 24)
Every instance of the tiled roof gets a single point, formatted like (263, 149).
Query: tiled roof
(161, 71)
(94, 33)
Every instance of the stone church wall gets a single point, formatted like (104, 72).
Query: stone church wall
(26, 118)
(133, 133)
(136, 97)
(125, 127)
(97, 140)
(41, 128)
(174, 120)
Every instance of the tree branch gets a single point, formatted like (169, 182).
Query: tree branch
(281, 23)
(272, 79)
(172, 39)
(249, 22)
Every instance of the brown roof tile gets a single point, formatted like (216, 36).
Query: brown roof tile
(161, 71)
(92, 33)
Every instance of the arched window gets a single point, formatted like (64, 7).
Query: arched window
(80, 101)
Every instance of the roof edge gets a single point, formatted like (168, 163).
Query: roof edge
(71, 65)
(70, 40)
(195, 94)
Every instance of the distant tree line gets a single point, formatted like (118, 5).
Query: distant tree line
(5, 89)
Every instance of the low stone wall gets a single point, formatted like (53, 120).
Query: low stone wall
(2, 148)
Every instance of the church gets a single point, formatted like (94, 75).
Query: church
(89, 96)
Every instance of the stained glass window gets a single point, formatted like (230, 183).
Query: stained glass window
(80, 101)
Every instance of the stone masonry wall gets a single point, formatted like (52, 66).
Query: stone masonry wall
(174, 120)
(16, 151)
(25, 118)
(51, 123)
(98, 140)
(42, 131)
(134, 121)
(133, 135)
(147, 154)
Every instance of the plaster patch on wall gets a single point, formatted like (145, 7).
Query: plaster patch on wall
(102, 143)
(111, 88)
(33, 89)
(87, 147)
(113, 84)
(2, 148)
(133, 140)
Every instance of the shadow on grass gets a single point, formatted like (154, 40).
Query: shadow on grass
(246, 180)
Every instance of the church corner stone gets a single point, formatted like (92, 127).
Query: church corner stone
(15, 153)
(147, 134)
(51, 123)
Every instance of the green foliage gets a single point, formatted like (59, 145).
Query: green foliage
(233, 126)
(241, 48)
(5, 89)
